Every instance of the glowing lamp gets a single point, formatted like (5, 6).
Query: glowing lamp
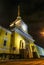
(42, 33)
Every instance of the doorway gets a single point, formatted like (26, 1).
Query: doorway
(21, 49)
(34, 52)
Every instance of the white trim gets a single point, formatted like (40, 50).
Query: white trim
(4, 48)
(26, 35)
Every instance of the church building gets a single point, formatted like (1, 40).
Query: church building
(22, 42)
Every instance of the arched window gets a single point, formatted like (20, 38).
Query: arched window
(21, 44)
(33, 48)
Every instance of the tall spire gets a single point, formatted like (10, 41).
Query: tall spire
(18, 10)
(18, 18)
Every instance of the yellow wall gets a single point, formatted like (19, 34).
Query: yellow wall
(3, 36)
(16, 42)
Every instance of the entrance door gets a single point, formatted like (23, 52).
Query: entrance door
(21, 49)
(34, 52)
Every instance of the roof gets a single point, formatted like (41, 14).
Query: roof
(25, 35)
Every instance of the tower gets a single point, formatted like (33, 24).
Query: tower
(19, 22)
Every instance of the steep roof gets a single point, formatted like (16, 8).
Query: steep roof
(21, 27)
(25, 35)
(19, 22)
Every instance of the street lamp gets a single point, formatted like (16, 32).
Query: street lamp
(42, 32)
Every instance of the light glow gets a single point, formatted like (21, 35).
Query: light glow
(18, 22)
(24, 27)
(42, 32)
(12, 25)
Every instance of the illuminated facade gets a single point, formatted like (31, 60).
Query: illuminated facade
(23, 42)
(18, 42)
(5, 40)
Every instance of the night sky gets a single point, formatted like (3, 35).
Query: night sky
(32, 13)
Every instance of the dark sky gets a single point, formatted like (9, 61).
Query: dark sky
(32, 13)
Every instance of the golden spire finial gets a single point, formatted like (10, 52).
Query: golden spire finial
(18, 10)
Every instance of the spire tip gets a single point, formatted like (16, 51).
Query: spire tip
(18, 10)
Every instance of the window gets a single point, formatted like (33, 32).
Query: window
(12, 35)
(21, 44)
(14, 48)
(27, 47)
(33, 48)
(6, 33)
(5, 42)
